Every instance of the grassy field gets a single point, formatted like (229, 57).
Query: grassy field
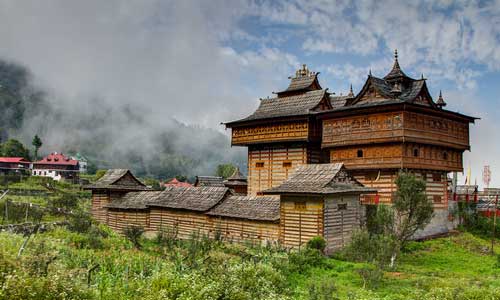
(458, 267)
(94, 263)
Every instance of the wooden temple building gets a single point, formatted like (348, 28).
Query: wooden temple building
(314, 159)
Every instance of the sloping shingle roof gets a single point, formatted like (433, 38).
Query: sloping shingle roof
(110, 180)
(300, 83)
(297, 105)
(319, 179)
(134, 200)
(246, 207)
(213, 181)
(190, 198)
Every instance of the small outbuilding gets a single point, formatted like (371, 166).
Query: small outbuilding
(320, 200)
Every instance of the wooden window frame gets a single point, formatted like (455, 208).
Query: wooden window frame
(300, 205)
(436, 177)
(437, 199)
(287, 164)
(259, 164)
(342, 206)
(359, 153)
(416, 152)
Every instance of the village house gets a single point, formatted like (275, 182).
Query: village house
(314, 160)
(57, 166)
(175, 182)
(14, 165)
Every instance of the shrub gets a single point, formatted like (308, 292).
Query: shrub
(134, 234)
(317, 242)
(322, 289)
(300, 261)
(79, 221)
(372, 276)
(65, 201)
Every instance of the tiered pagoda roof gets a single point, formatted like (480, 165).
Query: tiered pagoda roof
(302, 97)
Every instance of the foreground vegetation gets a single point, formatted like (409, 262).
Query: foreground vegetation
(84, 260)
(98, 264)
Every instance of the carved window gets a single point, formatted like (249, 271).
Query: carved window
(436, 177)
(342, 206)
(300, 205)
(437, 199)
(259, 164)
(371, 176)
(416, 152)
(287, 164)
(445, 155)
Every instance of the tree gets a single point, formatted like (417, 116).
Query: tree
(413, 209)
(14, 148)
(225, 170)
(37, 143)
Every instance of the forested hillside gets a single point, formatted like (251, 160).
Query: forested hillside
(110, 136)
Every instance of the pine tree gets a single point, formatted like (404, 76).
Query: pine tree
(37, 143)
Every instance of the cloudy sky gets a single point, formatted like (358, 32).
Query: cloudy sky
(204, 62)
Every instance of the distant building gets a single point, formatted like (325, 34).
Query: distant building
(237, 182)
(177, 183)
(9, 165)
(82, 161)
(209, 181)
(57, 166)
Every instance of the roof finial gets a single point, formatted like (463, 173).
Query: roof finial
(370, 72)
(440, 103)
(422, 76)
(396, 54)
(351, 93)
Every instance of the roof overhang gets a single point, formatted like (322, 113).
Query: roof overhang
(388, 107)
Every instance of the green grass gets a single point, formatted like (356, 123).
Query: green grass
(458, 267)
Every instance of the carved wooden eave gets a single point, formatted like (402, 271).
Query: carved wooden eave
(392, 106)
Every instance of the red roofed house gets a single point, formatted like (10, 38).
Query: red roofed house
(175, 182)
(13, 165)
(57, 166)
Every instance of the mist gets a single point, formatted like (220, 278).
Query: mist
(129, 79)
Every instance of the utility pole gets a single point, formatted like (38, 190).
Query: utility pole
(494, 225)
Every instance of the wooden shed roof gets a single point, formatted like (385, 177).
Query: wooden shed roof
(189, 198)
(112, 180)
(213, 181)
(246, 207)
(289, 106)
(320, 179)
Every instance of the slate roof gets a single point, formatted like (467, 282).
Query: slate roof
(297, 105)
(189, 198)
(300, 83)
(213, 181)
(111, 178)
(236, 179)
(250, 208)
(319, 179)
(133, 200)
(339, 101)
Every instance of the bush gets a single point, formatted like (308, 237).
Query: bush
(79, 222)
(304, 259)
(372, 276)
(66, 201)
(322, 289)
(318, 243)
(134, 234)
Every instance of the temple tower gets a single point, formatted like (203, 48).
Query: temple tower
(283, 133)
(393, 124)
